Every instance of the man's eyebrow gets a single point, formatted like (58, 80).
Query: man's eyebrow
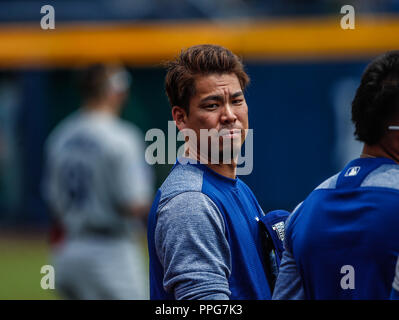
(217, 97)
(237, 94)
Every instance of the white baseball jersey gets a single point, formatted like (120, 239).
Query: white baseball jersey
(95, 166)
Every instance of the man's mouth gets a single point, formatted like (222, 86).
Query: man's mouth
(230, 133)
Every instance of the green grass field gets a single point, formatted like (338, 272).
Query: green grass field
(22, 256)
(21, 259)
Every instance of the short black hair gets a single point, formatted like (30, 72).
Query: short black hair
(377, 98)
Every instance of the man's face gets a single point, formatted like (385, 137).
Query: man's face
(218, 104)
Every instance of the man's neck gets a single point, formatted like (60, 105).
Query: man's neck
(227, 170)
(379, 150)
(100, 107)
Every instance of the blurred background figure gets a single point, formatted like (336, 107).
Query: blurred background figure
(98, 188)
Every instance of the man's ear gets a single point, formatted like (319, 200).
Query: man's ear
(179, 115)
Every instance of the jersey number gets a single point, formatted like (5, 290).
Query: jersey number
(76, 180)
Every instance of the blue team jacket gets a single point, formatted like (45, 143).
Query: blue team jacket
(345, 240)
(240, 210)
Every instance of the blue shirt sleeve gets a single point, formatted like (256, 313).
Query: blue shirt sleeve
(192, 248)
(289, 283)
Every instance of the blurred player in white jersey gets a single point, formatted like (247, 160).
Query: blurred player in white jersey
(98, 188)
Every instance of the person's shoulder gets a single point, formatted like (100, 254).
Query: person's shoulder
(182, 178)
(127, 130)
(62, 129)
(386, 176)
(125, 136)
(243, 185)
(188, 207)
(182, 196)
(329, 183)
(246, 190)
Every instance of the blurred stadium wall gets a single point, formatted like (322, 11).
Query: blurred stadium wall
(304, 71)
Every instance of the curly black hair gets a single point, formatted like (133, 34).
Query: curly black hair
(377, 98)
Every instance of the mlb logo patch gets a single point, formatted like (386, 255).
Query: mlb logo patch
(352, 171)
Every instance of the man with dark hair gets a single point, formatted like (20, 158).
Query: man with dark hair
(342, 242)
(99, 187)
(204, 237)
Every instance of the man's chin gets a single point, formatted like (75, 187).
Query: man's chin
(230, 156)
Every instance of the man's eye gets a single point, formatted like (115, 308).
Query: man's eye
(211, 106)
(237, 101)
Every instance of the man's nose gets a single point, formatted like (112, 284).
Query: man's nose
(228, 115)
